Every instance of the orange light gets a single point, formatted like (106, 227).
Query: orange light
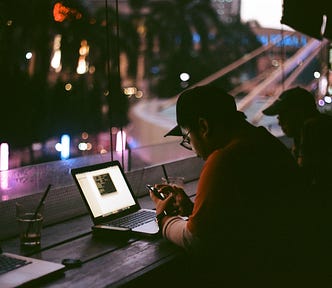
(61, 12)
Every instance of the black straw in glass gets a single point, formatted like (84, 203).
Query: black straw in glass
(39, 206)
(165, 173)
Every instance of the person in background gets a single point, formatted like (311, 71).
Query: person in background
(311, 132)
(245, 225)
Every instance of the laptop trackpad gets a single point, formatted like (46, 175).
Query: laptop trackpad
(148, 228)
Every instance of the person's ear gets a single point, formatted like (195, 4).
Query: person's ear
(203, 127)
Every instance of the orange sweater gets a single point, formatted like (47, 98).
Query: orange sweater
(245, 203)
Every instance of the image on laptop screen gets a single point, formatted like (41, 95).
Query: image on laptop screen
(105, 190)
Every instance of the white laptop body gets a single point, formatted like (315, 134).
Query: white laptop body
(30, 273)
(109, 196)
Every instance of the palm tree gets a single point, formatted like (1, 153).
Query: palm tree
(179, 36)
(188, 36)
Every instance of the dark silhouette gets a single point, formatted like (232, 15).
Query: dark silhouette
(311, 130)
(247, 224)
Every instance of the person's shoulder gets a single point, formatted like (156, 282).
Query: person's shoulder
(225, 155)
(326, 117)
(321, 121)
(261, 136)
(252, 138)
(218, 160)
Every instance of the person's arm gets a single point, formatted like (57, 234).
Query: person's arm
(175, 229)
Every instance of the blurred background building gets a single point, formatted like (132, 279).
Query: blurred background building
(81, 78)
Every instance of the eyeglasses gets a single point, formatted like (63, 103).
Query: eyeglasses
(186, 141)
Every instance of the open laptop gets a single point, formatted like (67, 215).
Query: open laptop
(111, 201)
(22, 271)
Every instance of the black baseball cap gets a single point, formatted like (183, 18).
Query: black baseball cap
(297, 97)
(207, 101)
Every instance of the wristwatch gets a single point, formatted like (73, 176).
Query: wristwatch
(160, 216)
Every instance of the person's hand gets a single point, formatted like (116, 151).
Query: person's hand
(162, 205)
(180, 204)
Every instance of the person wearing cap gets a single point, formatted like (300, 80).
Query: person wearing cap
(311, 132)
(243, 217)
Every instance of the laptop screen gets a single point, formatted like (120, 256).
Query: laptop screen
(105, 189)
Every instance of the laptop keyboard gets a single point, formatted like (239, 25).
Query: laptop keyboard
(133, 220)
(8, 263)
